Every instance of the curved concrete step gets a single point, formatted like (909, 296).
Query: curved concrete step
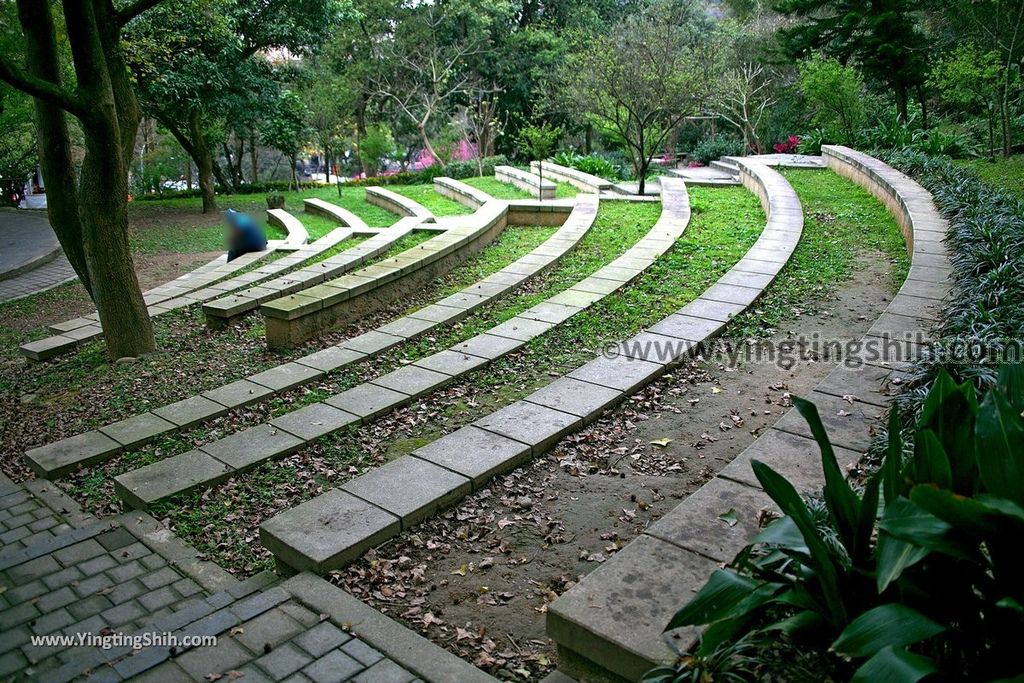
(458, 191)
(526, 181)
(338, 213)
(578, 179)
(398, 204)
(297, 233)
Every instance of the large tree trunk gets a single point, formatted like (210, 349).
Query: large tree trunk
(430, 147)
(900, 91)
(254, 167)
(204, 162)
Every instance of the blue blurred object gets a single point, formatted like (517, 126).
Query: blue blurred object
(245, 235)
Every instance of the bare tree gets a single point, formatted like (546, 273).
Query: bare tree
(480, 122)
(743, 96)
(424, 74)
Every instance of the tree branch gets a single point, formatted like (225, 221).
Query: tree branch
(40, 89)
(126, 14)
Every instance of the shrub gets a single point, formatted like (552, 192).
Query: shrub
(787, 146)
(835, 95)
(593, 164)
(811, 142)
(715, 147)
(861, 572)
(275, 201)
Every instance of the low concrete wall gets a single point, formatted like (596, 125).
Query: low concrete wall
(576, 178)
(464, 194)
(297, 234)
(398, 204)
(527, 182)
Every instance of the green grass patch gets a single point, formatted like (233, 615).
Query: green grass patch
(841, 221)
(434, 202)
(496, 188)
(1005, 173)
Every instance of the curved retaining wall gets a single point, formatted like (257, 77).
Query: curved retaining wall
(297, 234)
(575, 177)
(525, 181)
(611, 622)
(467, 195)
(398, 204)
(335, 212)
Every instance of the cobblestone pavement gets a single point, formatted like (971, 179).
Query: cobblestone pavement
(65, 573)
(37, 280)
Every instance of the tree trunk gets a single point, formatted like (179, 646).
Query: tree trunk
(900, 90)
(254, 167)
(430, 147)
(204, 162)
(295, 175)
(239, 156)
(188, 173)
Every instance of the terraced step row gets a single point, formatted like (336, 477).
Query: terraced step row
(526, 181)
(61, 457)
(213, 462)
(578, 179)
(335, 528)
(398, 204)
(600, 621)
(202, 288)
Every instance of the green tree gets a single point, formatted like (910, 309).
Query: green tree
(286, 128)
(884, 37)
(970, 79)
(376, 145)
(538, 142)
(87, 205)
(642, 79)
(835, 95)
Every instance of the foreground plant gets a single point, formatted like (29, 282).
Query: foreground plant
(916, 574)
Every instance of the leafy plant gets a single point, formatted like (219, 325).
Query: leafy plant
(591, 163)
(715, 147)
(865, 579)
(811, 142)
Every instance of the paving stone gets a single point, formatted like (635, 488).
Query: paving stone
(168, 672)
(321, 639)
(709, 309)
(367, 400)
(286, 376)
(191, 411)
(373, 342)
(520, 328)
(236, 394)
(425, 488)
(79, 552)
(253, 446)
(334, 666)
(407, 327)
(576, 397)
(161, 577)
(123, 613)
(550, 313)
(270, 629)
(385, 671)
(597, 285)
(451, 363)
(327, 532)
(690, 328)
(259, 602)
(537, 426)
(62, 578)
(126, 591)
(439, 314)
(116, 538)
(92, 585)
(201, 661)
(98, 564)
(138, 430)
(363, 653)
(331, 358)
(739, 277)
(187, 587)
(300, 614)
(313, 421)
(576, 298)
(847, 425)
(412, 381)
(169, 477)
(488, 346)
(282, 661)
(25, 592)
(866, 383)
(615, 617)
(87, 607)
(155, 599)
(56, 599)
(64, 456)
(54, 621)
(622, 372)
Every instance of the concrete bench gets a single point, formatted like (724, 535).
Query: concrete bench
(464, 194)
(297, 234)
(398, 204)
(598, 623)
(335, 212)
(578, 179)
(525, 181)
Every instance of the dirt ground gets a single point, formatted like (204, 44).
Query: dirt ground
(478, 578)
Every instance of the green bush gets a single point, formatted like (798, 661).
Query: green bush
(917, 573)
(593, 164)
(267, 187)
(715, 147)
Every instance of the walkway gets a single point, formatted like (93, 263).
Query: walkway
(30, 256)
(65, 573)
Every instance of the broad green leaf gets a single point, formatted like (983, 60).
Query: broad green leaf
(987, 517)
(931, 465)
(892, 466)
(716, 600)
(892, 665)
(801, 622)
(790, 502)
(949, 413)
(891, 625)
(861, 550)
(842, 501)
(999, 438)
(911, 523)
(892, 557)
(783, 533)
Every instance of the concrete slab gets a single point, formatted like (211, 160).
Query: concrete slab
(407, 327)
(367, 400)
(733, 294)
(621, 373)
(138, 430)
(439, 314)
(412, 381)
(721, 311)
(488, 346)
(536, 426)
(313, 421)
(169, 477)
(327, 532)
(287, 376)
(237, 394)
(425, 488)
(61, 457)
(550, 313)
(253, 446)
(191, 411)
(520, 328)
(849, 426)
(795, 457)
(688, 327)
(331, 358)
(576, 397)
(475, 453)
(373, 342)
(451, 363)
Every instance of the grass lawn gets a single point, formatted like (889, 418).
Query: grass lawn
(841, 220)
(500, 190)
(435, 203)
(1005, 173)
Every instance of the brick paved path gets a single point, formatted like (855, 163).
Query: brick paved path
(37, 280)
(63, 572)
